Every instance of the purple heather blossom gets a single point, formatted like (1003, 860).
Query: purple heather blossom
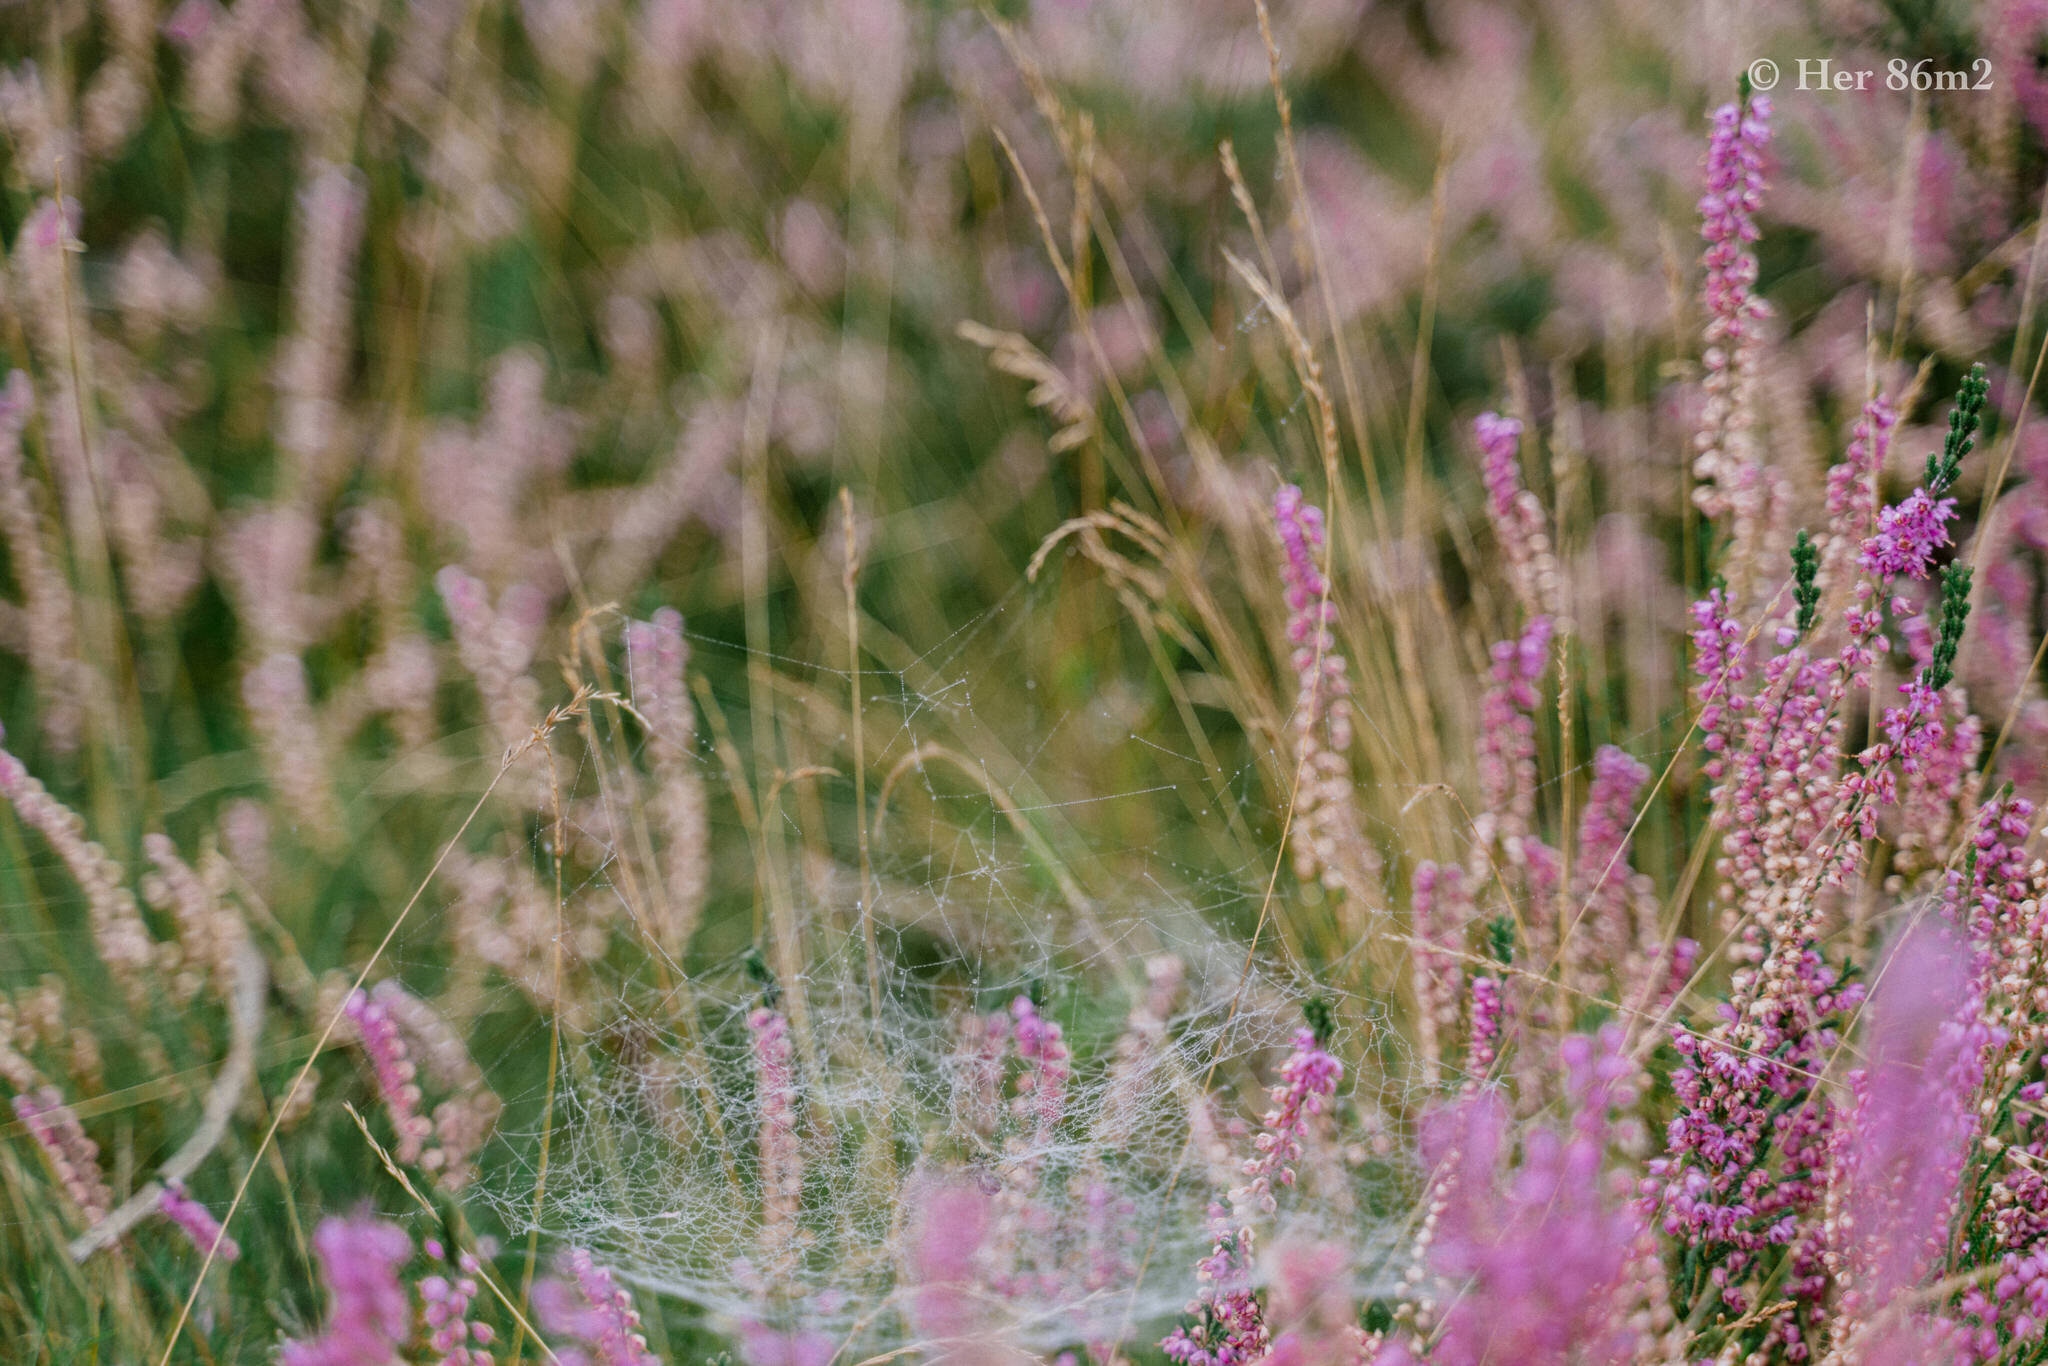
(74, 1157)
(1610, 810)
(1507, 751)
(119, 934)
(369, 1315)
(1507, 758)
(1308, 1080)
(197, 1221)
(655, 658)
(1311, 1305)
(1606, 936)
(781, 1157)
(761, 1345)
(1726, 466)
(1516, 514)
(1440, 907)
(1537, 1254)
(1300, 524)
(1043, 1085)
(585, 1304)
(1745, 1155)
(1778, 791)
(1489, 1017)
(1899, 1159)
(952, 1234)
(1329, 839)
(1229, 1327)
(1721, 658)
(456, 1338)
(1747, 1161)
(2016, 29)
(392, 1066)
(1908, 535)
(1852, 488)
(950, 1223)
(1990, 905)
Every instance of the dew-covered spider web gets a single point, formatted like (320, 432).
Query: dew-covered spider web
(1097, 1199)
(771, 1144)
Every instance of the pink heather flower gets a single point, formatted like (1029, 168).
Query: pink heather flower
(1609, 812)
(73, 1157)
(122, 940)
(189, 22)
(655, 658)
(369, 1315)
(49, 623)
(1507, 753)
(1311, 1305)
(1908, 535)
(1942, 771)
(1721, 659)
(978, 1060)
(1726, 467)
(761, 1345)
(1043, 1086)
(280, 704)
(2016, 1304)
(1745, 1154)
(950, 1222)
(312, 365)
(391, 1064)
(197, 1221)
(586, 1305)
(1440, 908)
(1308, 1081)
(1991, 906)
(1899, 1160)
(1498, 438)
(496, 645)
(781, 1158)
(51, 226)
(1852, 489)
(1110, 1236)
(1778, 792)
(1229, 1327)
(1329, 836)
(1517, 515)
(455, 1338)
(1489, 1015)
(2017, 29)
(1615, 929)
(1534, 1257)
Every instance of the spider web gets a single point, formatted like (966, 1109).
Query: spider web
(654, 1149)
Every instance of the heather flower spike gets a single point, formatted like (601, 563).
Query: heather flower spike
(1727, 464)
(1910, 532)
(197, 1222)
(585, 1304)
(74, 1157)
(369, 1315)
(1328, 832)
